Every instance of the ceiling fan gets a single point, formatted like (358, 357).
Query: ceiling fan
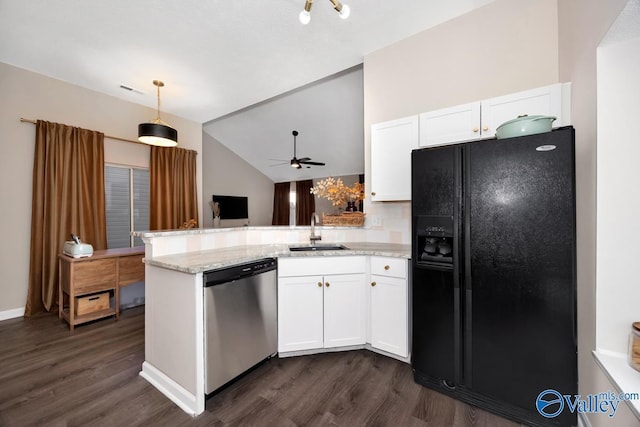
(298, 163)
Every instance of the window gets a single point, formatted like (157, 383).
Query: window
(292, 203)
(127, 204)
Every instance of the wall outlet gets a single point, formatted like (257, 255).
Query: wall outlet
(376, 220)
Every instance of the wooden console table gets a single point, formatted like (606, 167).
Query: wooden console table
(105, 271)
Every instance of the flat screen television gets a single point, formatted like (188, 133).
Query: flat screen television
(232, 207)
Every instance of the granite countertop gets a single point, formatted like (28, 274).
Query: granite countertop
(192, 231)
(197, 262)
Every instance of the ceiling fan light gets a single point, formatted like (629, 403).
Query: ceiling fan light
(157, 134)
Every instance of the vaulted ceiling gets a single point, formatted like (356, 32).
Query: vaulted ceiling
(216, 57)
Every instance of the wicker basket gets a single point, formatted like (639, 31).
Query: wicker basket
(346, 219)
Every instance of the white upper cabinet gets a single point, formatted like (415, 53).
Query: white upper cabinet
(391, 145)
(481, 119)
(545, 100)
(459, 123)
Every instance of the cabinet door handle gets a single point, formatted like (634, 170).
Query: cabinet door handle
(386, 267)
(475, 130)
(373, 283)
(373, 193)
(485, 128)
(319, 284)
(327, 284)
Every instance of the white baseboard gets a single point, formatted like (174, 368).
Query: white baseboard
(388, 354)
(174, 391)
(366, 346)
(12, 314)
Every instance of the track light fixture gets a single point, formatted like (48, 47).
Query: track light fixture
(158, 133)
(342, 9)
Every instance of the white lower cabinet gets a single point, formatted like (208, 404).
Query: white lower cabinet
(300, 313)
(321, 310)
(344, 310)
(389, 305)
(323, 302)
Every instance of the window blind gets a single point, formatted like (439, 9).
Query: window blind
(127, 204)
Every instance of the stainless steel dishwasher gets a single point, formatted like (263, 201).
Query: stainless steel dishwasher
(240, 327)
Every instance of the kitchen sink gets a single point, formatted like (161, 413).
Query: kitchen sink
(317, 248)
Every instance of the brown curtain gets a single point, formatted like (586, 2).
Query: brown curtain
(305, 202)
(173, 199)
(68, 197)
(281, 204)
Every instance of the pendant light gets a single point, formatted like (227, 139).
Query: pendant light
(158, 133)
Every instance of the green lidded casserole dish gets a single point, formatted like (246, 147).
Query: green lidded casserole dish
(524, 125)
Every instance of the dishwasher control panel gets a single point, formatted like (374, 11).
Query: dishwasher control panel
(235, 272)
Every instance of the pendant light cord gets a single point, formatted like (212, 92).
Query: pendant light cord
(158, 92)
(158, 85)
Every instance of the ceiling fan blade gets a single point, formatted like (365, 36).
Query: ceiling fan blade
(278, 160)
(295, 162)
(279, 164)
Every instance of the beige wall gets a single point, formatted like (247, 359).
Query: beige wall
(582, 25)
(34, 96)
(227, 174)
(504, 47)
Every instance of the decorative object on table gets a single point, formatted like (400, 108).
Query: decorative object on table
(345, 219)
(215, 207)
(76, 249)
(187, 225)
(634, 346)
(339, 194)
(157, 132)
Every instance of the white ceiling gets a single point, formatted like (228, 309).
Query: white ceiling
(216, 57)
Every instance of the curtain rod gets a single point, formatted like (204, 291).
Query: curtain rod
(106, 136)
(23, 120)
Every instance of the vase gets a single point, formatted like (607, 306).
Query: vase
(351, 207)
(216, 222)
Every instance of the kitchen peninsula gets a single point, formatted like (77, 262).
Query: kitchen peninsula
(175, 263)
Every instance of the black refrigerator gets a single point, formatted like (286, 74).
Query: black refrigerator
(494, 274)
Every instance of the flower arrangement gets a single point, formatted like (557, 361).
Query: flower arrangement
(336, 192)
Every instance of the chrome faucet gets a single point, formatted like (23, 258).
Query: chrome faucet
(313, 237)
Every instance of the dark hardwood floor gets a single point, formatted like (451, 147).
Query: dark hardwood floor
(50, 377)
